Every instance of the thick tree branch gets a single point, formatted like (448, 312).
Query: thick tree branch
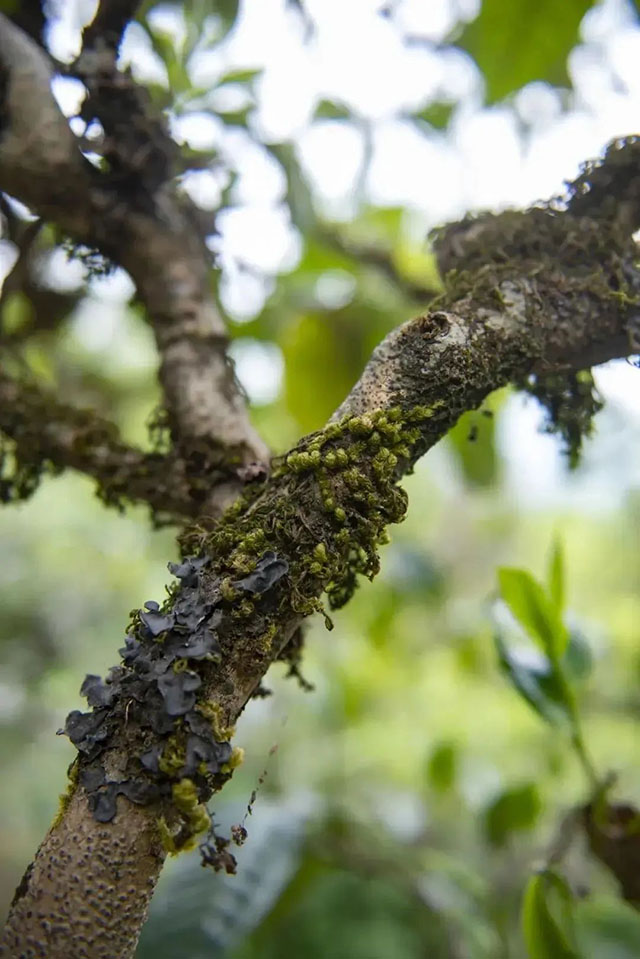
(133, 214)
(539, 292)
(49, 436)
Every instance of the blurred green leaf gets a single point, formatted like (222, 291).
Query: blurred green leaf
(538, 685)
(514, 810)
(298, 191)
(238, 76)
(556, 577)
(442, 766)
(517, 41)
(318, 374)
(235, 118)
(436, 114)
(330, 110)
(547, 918)
(530, 605)
(227, 9)
(165, 45)
(16, 312)
(473, 439)
(608, 927)
(197, 11)
(577, 661)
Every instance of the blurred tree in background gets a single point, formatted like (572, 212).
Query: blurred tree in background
(452, 772)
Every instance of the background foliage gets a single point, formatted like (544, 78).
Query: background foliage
(414, 792)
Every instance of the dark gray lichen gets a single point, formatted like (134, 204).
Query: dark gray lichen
(154, 694)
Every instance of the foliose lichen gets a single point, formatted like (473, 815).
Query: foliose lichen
(179, 751)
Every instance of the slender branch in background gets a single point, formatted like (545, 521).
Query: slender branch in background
(132, 213)
(540, 290)
(48, 437)
(381, 260)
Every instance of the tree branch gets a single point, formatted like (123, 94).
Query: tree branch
(133, 214)
(540, 291)
(48, 436)
(108, 25)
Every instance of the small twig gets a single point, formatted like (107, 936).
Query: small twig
(382, 261)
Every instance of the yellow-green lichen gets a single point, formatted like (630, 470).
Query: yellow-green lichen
(173, 756)
(193, 819)
(213, 712)
(236, 759)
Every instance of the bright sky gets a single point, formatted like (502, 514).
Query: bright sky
(505, 155)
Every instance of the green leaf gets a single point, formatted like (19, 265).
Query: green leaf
(235, 118)
(298, 191)
(514, 810)
(330, 110)
(436, 114)
(530, 605)
(16, 312)
(442, 766)
(239, 76)
(538, 685)
(473, 440)
(318, 372)
(517, 41)
(547, 918)
(556, 577)
(228, 10)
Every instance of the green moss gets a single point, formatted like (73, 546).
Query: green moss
(236, 759)
(571, 403)
(173, 755)
(66, 797)
(265, 641)
(213, 712)
(193, 819)
(358, 494)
